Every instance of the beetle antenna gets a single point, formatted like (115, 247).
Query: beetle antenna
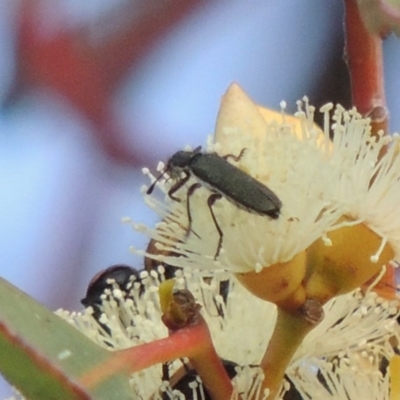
(153, 185)
(197, 149)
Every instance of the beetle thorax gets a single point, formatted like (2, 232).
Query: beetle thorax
(179, 162)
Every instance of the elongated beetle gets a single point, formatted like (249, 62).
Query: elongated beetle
(223, 179)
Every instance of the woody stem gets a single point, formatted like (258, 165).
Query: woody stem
(363, 51)
(289, 332)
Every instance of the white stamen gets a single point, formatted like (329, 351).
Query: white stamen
(375, 257)
(377, 279)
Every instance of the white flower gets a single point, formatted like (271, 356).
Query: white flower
(346, 348)
(339, 382)
(318, 182)
(338, 227)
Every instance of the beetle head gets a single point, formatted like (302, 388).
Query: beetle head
(179, 162)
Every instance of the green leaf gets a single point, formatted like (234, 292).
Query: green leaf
(43, 356)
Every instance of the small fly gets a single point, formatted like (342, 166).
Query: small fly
(223, 179)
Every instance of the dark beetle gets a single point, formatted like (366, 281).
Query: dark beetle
(223, 179)
(121, 274)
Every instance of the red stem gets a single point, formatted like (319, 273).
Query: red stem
(184, 343)
(365, 63)
(212, 373)
(193, 341)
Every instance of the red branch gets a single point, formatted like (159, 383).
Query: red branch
(193, 341)
(365, 63)
(86, 72)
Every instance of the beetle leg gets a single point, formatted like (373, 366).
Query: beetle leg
(177, 185)
(190, 191)
(211, 200)
(235, 158)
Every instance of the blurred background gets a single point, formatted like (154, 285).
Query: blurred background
(92, 91)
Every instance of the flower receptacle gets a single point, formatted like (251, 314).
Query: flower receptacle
(280, 284)
(347, 263)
